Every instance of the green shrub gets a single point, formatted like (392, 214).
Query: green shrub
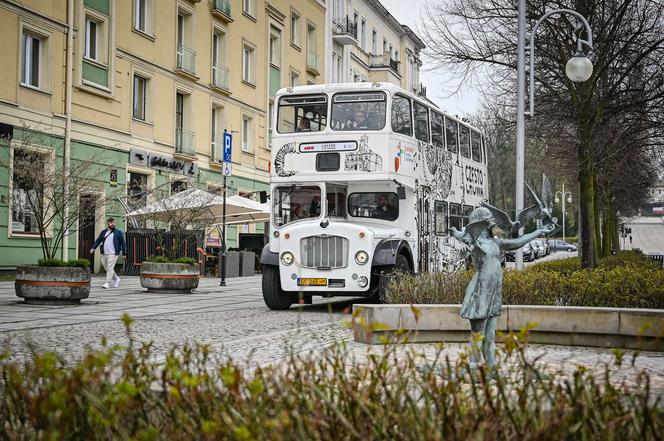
(158, 259)
(79, 263)
(193, 394)
(187, 260)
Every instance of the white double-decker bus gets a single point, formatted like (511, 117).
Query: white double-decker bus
(366, 179)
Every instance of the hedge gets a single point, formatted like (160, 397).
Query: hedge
(192, 394)
(626, 280)
(164, 259)
(78, 263)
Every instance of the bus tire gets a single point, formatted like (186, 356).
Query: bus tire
(275, 298)
(401, 265)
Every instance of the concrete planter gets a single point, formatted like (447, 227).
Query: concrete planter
(565, 325)
(177, 278)
(42, 285)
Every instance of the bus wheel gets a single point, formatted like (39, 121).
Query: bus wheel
(401, 265)
(275, 298)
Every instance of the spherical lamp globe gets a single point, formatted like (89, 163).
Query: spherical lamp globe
(579, 68)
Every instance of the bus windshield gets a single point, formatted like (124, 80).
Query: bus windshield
(302, 114)
(295, 202)
(358, 111)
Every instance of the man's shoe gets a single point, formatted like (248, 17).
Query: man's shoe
(105, 286)
(117, 282)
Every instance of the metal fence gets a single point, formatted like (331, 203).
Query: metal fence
(142, 244)
(657, 257)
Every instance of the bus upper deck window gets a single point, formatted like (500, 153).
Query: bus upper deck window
(437, 133)
(476, 146)
(452, 136)
(464, 141)
(401, 116)
(304, 113)
(421, 122)
(358, 111)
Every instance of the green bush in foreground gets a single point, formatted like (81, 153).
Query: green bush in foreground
(187, 260)
(164, 259)
(625, 280)
(393, 393)
(78, 263)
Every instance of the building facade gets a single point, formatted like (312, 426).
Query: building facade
(366, 43)
(153, 86)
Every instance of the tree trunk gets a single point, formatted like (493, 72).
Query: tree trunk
(615, 234)
(587, 210)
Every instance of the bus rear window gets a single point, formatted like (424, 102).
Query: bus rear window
(358, 111)
(302, 114)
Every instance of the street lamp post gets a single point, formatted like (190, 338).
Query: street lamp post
(564, 196)
(578, 69)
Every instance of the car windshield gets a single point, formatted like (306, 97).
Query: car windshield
(295, 202)
(383, 206)
(302, 114)
(358, 111)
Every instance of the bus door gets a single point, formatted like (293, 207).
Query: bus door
(424, 227)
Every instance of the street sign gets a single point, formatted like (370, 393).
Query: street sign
(228, 147)
(227, 169)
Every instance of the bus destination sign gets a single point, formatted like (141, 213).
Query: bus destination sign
(316, 147)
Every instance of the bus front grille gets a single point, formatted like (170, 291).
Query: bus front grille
(324, 252)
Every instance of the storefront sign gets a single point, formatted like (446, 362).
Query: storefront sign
(114, 177)
(162, 162)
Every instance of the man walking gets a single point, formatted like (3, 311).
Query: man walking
(113, 244)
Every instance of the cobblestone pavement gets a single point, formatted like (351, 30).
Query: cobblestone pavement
(235, 322)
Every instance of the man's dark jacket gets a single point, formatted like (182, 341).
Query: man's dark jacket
(118, 242)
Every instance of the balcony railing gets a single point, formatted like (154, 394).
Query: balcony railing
(385, 61)
(186, 59)
(185, 142)
(312, 60)
(217, 149)
(220, 76)
(344, 30)
(222, 9)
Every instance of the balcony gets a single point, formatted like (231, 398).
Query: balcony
(312, 63)
(186, 60)
(217, 151)
(222, 10)
(360, 55)
(384, 61)
(185, 144)
(221, 78)
(344, 31)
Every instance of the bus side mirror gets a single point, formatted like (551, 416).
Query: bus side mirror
(401, 192)
(262, 196)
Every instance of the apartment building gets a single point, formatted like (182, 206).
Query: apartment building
(368, 44)
(154, 84)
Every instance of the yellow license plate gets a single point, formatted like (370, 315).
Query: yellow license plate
(311, 282)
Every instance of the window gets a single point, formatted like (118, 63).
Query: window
(328, 161)
(396, 55)
(186, 55)
(295, 202)
(26, 190)
(437, 131)
(386, 45)
(374, 42)
(220, 73)
(31, 65)
(440, 217)
(363, 35)
(179, 111)
(178, 186)
(467, 209)
(358, 111)
(248, 7)
(247, 134)
(455, 216)
(451, 136)
(336, 200)
(216, 135)
(476, 146)
(294, 79)
(421, 122)
(91, 38)
(401, 118)
(302, 114)
(137, 186)
(464, 141)
(356, 17)
(295, 28)
(275, 47)
(140, 97)
(248, 64)
(384, 206)
(143, 18)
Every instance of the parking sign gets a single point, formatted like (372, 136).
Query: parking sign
(228, 147)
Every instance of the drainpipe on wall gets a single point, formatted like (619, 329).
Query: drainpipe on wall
(67, 146)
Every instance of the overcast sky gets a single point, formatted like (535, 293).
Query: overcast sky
(439, 85)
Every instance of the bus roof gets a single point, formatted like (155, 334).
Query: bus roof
(367, 86)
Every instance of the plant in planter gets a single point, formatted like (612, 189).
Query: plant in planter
(183, 213)
(48, 198)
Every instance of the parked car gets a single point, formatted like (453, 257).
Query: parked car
(529, 253)
(561, 245)
(539, 247)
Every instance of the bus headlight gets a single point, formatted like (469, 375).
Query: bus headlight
(287, 258)
(361, 257)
